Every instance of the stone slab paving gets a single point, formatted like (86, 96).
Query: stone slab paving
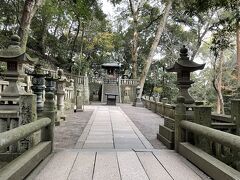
(112, 148)
(117, 165)
(110, 128)
(146, 121)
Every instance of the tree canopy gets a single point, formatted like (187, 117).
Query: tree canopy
(144, 36)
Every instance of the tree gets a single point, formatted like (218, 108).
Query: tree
(135, 8)
(29, 10)
(160, 28)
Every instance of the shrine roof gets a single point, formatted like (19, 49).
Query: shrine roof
(111, 65)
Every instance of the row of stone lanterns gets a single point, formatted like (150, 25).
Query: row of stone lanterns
(15, 57)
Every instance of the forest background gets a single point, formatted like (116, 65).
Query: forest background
(145, 36)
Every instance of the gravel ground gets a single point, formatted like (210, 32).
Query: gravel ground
(67, 134)
(146, 121)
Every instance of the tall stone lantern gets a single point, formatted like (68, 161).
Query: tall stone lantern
(183, 67)
(17, 106)
(61, 84)
(15, 57)
(38, 85)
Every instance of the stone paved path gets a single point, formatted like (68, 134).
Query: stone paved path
(110, 128)
(146, 121)
(112, 148)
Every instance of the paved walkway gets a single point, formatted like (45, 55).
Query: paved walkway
(110, 128)
(146, 121)
(110, 148)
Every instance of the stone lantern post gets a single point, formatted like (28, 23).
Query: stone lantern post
(183, 67)
(138, 102)
(61, 84)
(38, 85)
(50, 83)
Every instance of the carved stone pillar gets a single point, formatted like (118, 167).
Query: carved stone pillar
(28, 114)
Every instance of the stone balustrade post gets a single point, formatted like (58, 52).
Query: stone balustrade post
(202, 116)
(28, 114)
(180, 114)
(50, 112)
(164, 101)
(235, 115)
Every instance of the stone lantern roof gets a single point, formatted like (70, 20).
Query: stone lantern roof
(184, 63)
(15, 52)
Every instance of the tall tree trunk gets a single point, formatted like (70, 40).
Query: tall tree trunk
(134, 49)
(43, 35)
(155, 43)
(57, 25)
(135, 7)
(75, 39)
(238, 51)
(220, 103)
(29, 10)
(134, 53)
(199, 41)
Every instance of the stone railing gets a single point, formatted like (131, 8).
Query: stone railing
(69, 93)
(129, 82)
(223, 122)
(21, 166)
(210, 149)
(162, 108)
(218, 121)
(110, 81)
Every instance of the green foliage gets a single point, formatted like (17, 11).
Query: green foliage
(77, 36)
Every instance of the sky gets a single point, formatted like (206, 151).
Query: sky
(107, 8)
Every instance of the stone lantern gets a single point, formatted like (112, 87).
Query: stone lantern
(184, 67)
(61, 85)
(17, 107)
(137, 101)
(38, 85)
(15, 57)
(50, 83)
